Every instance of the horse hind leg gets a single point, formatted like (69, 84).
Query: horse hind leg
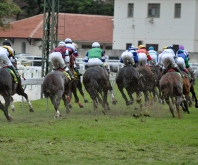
(79, 86)
(5, 110)
(76, 97)
(66, 103)
(170, 106)
(20, 91)
(123, 95)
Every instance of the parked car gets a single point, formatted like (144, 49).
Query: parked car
(28, 60)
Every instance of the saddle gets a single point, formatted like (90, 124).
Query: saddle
(64, 72)
(15, 80)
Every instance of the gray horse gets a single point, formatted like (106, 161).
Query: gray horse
(57, 86)
(97, 84)
(9, 88)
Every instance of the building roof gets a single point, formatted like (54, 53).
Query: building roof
(78, 27)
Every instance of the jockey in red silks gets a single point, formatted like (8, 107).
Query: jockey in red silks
(59, 57)
(143, 55)
(72, 47)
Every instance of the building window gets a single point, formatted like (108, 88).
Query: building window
(178, 10)
(86, 46)
(176, 47)
(23, 47)
(155, 46)
(154, 10)
(130, 9)
(127, 45)
(108, 47)
(140, 43)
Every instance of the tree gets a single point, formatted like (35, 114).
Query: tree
(7, 9)
(97, 7)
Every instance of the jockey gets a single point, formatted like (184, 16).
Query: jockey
(153, 55)
(181, 47)
(143, 55)
(95, 56)
(129, 57)
(182, 62)
(74, 53)
(167, 60)
(6, 55)
(160, 57)
(60, 56)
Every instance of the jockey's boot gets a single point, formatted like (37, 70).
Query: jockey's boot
(189, 75)
(77, 71)
(178, 70)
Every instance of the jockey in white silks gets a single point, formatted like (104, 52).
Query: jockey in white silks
(182, 62)
(129, 57)
(95, 56)
(60, 56)
(6, 55)
(167, 60)
(143, 55)
(153, 55)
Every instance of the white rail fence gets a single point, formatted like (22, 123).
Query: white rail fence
(32, 78)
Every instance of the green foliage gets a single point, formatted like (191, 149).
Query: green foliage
(86, 137)
(7, 9)
(97, 7)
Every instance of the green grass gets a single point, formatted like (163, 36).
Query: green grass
(85, 137)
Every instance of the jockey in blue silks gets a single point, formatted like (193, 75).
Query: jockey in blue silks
(129, 56)
(153, 55)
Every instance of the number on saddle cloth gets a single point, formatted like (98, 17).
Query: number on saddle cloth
(13, 75)
(76, 75)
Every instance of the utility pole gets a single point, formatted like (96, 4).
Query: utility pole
(50, 32)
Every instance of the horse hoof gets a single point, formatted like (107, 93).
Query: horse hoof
(136, 115)
(70, 106)
(31, 110)
(81, 106)
(114, 102)
(147, 115)
(86, 101)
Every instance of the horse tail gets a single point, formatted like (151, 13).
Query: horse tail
(48, 88)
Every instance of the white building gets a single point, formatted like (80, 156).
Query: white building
(156, 22)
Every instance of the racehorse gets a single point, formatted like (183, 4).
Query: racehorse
(56, 86)
(148, 81)
(7, 89)
(97, 84)
(129, 78)
(187, 88)
(171, 85)
(158, 74)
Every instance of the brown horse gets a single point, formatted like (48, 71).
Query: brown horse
(148, 81)
(97, 84)
(9, 88)
(171, 86)
(56, 86)
(158, 74)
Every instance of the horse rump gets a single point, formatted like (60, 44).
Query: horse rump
(49, 89)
